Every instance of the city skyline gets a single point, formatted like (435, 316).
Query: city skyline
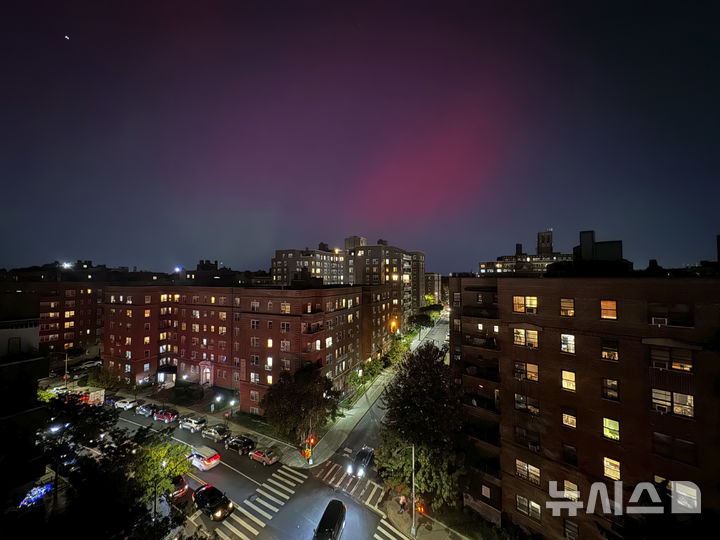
(156, 138)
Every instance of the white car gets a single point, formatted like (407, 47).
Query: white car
(90, 364)
(204, 457)
(126, 404)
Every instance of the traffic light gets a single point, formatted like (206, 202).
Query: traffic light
(312, 440)
(421, 508)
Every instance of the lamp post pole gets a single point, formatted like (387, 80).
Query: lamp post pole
(66, 371)
(413, 529)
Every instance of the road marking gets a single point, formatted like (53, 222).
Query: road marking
(376, 537)
(222, 534)
(331, 471)
(233, 529)
(375, 484)
(341, 480)
(197, 479)
(241, 473)
(287, 498)
(296, 473)
(247, 526)
(352, 493)
(278, 484)
(267, 505)
(348, 450)
(270, 497)
(387, 524)
(195, 516)
(258, 510)
(367, 501)
(290, 476)
(248, 514)
(285, 480)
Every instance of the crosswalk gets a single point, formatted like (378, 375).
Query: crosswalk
(385, 531)
(253, 514)
(365, 490)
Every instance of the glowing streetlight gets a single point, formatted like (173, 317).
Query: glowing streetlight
(218, 398)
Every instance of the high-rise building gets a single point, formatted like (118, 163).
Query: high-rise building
(433, 286)
(596, 376)
(323, 263)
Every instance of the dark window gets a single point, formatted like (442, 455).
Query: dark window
(570, 454)
(571, 530)
(609, 350)
(611, 389)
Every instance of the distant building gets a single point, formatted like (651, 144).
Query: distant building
(323, 263)
(433, 286)
(524, 263)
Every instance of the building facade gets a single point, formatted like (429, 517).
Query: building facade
(433, 286)
(524, 263)
(235, 338)
(586, 379)
(323, 263)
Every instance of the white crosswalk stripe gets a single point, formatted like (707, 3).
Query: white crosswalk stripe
(280, 493)
(385, 523)
(284, 480)
(331, 471)
(222, 534)
(281, 486)
(244, 524)
(258, 509)
(278, 501)
(234, 530)
(250, 516)
(267, 505)
(300, 476)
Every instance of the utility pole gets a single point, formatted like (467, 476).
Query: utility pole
(413, 529)
(66, 371)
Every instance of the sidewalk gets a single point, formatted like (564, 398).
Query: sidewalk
(427, 528)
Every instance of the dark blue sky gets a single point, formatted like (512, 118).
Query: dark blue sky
(161, 133)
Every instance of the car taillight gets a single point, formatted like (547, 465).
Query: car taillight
(210, 460)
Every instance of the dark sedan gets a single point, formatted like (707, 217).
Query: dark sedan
(211, 501)
(218, 432)
(362, 463)
(241, 443)
(147, 409)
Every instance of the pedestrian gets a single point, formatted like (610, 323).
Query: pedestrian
(403, 502)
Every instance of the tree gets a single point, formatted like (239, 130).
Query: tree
(423, 404)
(354, 379)
(429, 299)
(423, 409)
(103, 378)
(297, 406)
(421, 320)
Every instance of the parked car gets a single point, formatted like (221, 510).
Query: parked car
(126, 404)
(218, 432)
(204, 457)
(166, 415)
(147, 409)
(364, 458)
(90, 364)
(193, 423)
(266, 456)
(332, 521)
(180, 487)
(211, 501)
(111, 399)
(242, 443)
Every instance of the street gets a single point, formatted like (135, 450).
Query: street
(282, 502)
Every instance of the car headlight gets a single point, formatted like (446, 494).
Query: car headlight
(349, 469)
(361, 471)
(218, 513)
(230, 505)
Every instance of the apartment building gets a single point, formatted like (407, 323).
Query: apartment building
(235, 338)
(324, 263)
(586, 379)
(526, 263)
(433, 286)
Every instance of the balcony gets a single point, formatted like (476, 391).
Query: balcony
(478, 403)
(484, 369)
(313, 329)
(487, 312)
(488, 436)
(489, 343)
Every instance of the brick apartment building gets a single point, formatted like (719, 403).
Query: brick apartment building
(585, 379)
(238, 338)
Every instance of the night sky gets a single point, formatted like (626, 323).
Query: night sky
(161, 133)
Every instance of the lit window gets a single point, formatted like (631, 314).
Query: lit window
(527, 472)
(683, 404)
(610, 389)
(567, 307)
(611, 429)
(571, 491)
(146, 367)
(480, 326)
(269, 342)
(611, 468)
(328, 342)
(567, 343)
(146, 340)
(496, 329)
(519, 304)
(147, 313)
(569, 418)
(254, 377)
(568, 380)
(269, 379)
(608, 309)
(609, 350)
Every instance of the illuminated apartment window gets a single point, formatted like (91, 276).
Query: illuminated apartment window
(681, 359)
(526, 371)
(269, 363)
(254, 377)
(527, 472)
(269, 379)
(611, 468)
(147, 299)
(285, 308)
(146, 340)
(269, 342)
(611, 389)
(69, 314)
(568, 380)
(128, 313)
(569, 418)
(683, 404)
(567, 343)
(519, 336)
(608, 309)
(567, 307)
(571, 490)
(609, 350)
(69, 324)
(611, 429)
(519, 304)
(531, 337)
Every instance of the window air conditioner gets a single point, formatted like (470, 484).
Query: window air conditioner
(662, 409)
(531, 310)
(660, 321)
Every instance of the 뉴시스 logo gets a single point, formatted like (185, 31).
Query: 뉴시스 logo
(685, 498)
